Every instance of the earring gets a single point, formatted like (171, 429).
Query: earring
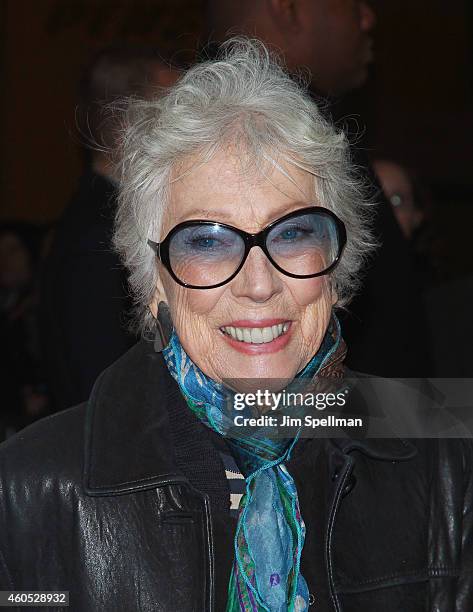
(163, 327)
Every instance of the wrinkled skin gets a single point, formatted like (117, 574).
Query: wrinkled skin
(217, 190)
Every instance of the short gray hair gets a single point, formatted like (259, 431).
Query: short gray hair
(247, 99)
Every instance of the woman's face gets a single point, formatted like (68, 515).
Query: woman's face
(259, 296)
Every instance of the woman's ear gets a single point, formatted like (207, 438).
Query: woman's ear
(159, 295)
(160, 311)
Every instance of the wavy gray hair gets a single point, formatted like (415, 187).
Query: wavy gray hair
(246, 99)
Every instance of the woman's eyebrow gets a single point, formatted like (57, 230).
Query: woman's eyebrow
(208, 213)
(217, 214)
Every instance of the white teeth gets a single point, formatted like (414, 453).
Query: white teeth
(256, 335)
(246, 334)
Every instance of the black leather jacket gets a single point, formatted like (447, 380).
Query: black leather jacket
(92, 502)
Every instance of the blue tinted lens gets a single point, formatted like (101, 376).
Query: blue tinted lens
(304, 245)
(205, 254)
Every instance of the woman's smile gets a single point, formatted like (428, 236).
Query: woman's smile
(256, 337)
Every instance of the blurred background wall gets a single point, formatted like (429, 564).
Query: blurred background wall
(419, 101)
(45, 46)
(417, 104)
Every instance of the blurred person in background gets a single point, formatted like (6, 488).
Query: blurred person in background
(413, 208)
(447, 302)
(84, 297)
(333, 39)
(24, 394)
(398, 187)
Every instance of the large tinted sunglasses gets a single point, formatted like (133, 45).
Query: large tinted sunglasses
(201, 254)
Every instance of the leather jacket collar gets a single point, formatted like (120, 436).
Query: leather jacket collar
(127, 439)
(128, 444)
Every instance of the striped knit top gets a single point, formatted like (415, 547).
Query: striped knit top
(236, 482)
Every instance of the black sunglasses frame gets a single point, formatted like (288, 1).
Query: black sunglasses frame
(251, 240)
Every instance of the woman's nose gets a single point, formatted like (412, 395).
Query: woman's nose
(258, 280)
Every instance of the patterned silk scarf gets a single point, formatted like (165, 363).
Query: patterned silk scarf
(270, 531)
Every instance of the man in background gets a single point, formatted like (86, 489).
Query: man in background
(333, 40)
(84, 296)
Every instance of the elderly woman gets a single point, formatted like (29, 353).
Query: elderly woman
(242, 226)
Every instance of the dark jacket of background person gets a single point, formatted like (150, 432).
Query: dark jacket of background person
(124, 502)
(84, 295)
(385, 325)
(24, 392)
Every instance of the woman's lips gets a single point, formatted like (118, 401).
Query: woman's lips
(257, 337)
(254, 322)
